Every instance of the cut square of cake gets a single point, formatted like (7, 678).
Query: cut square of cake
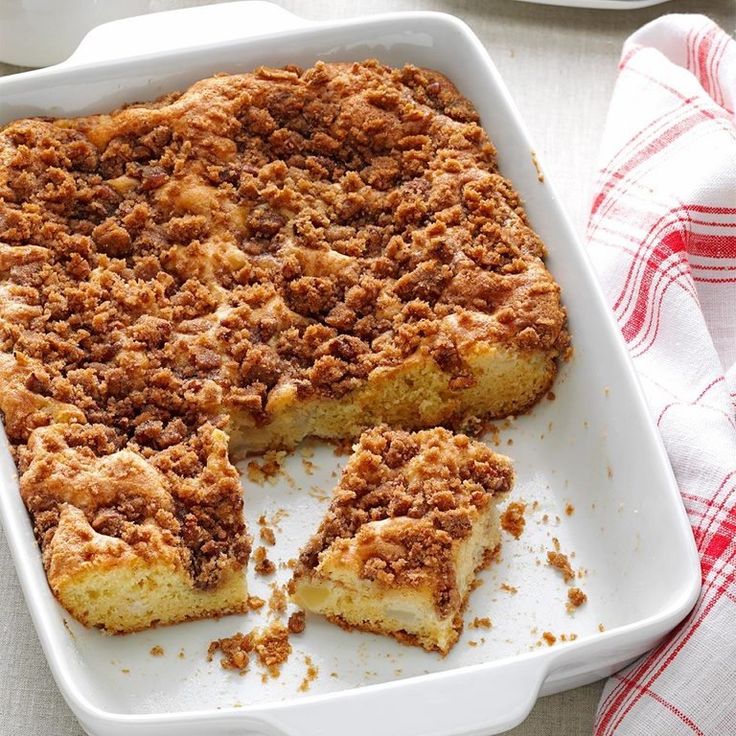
(413, 518)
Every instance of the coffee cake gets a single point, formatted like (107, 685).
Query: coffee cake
(412, 519)
(262, 257)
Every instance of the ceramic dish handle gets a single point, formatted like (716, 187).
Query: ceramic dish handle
(181, 29)
(487, 701)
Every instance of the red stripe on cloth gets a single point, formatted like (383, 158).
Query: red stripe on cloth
(659, 699)
(712, 246)
(676, 216)
(640, 347)
(692, 627)
(703, 280)
(644, 153)
(671, 244)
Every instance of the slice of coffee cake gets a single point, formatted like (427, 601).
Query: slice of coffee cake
(412, 519)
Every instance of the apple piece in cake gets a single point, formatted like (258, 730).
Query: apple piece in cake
(412, 519)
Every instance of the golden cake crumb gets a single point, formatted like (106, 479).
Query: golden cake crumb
(481, 623)
(235, 651)
(311, 675)
(181, 654)
(560, 562)
(263, 565)
(157, 651)
(297, 622)
(255, 603)
(575, 598)
(272, 647)
(569, 509)
(549, 638)
(509, 588)
(277, 601)
(512, 519)
(267, 535)
(601, 628)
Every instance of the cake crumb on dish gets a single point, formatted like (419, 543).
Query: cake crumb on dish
(297, 622)
(157, 651)
(267, 468)
(263, 565)
(255, 603)
(270, 645)
(277, 600)
(569, 509)
(481, 623)
(549, 638)
(235, 651)
(512, 519)
(509, 588)
(267, 535)
(310, 676)
(575, 599)
(560, 562)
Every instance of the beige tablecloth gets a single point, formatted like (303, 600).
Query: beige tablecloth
(560, 65)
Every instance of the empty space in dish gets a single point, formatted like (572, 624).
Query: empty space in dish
(592, 447)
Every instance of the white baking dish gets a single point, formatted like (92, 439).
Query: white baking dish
(593, 447)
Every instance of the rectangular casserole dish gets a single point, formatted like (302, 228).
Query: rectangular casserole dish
(592, 450)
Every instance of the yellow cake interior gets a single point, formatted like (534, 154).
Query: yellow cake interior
(412, 519)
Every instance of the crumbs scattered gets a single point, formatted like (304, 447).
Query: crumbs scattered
(551, 396)
(268, 469)
(235, 651)
(540, 178)
(157, 651)
(575, 599)
(270, 645)
(311, 675)
(609, 471)
(509, 442)
(266, 532)
(549, 638)
(476, 584)
(278, 515)
(472, 643)
(569, 509)
(263, 565)
(181, 654)
(297, 622)
(560, 562)
(481, 623)
(568, 637)
(512, 519)
(255, 603)
(509, 588)
(601, 628)
(277, 601)
(125, 671)
(308, 466)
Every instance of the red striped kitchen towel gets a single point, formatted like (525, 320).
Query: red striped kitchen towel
(662, 233)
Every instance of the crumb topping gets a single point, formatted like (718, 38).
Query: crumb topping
(512, 519)
(157, 651)
(173, 265)
(560, 562)
(431, 485)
